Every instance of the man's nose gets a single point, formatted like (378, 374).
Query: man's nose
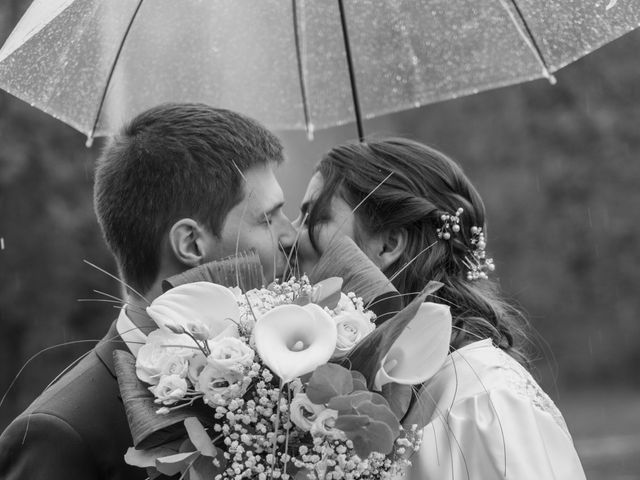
(288, 233)
(297, 222)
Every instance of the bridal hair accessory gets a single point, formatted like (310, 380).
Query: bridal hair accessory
(450, 224)
(476, 260)
(478, 263)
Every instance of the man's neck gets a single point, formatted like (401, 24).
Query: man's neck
(136, 308)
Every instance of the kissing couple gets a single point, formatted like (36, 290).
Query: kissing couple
(185, 184)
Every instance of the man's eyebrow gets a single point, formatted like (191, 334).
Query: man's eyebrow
(275, 208)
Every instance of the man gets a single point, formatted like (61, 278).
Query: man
(183, 184)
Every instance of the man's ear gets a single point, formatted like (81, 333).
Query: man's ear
(189, 242)
(390, 245)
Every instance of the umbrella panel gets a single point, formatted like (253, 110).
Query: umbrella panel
(242, 54)
(566, 30)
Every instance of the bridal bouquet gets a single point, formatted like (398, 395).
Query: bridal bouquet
(289, 381)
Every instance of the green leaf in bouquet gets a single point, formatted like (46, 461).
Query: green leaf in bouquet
(203, 469)
(399, 398)
(199, 437)
(368, 435)
(353, 401)
(328, 381)
(419, 415)
(327, 292)
(147, 458)
(302, 299)
(359, 381)
(367, 356)
(367, 420)
(304, 474)
(176, 463)
(243, 270)
(324, 294)
(367, 405)
(152, 473)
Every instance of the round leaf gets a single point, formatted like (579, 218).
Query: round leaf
(199, 437)
(328, 381)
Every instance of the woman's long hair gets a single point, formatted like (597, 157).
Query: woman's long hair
(424, 185)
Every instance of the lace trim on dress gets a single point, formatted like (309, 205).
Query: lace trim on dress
(522, 383)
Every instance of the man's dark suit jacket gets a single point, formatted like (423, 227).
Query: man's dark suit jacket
(76, 429)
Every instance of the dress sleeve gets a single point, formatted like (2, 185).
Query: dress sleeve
(496, 434)
(42, 446)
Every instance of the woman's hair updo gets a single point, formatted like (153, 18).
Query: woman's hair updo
(402, 184)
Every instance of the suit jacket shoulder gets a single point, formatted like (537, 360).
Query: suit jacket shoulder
(77, 428)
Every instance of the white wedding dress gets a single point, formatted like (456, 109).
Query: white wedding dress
(490, 420)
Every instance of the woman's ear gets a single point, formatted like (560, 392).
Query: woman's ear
(189, 242)
(389, 246)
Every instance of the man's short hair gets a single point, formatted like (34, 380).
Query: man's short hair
(170, 162)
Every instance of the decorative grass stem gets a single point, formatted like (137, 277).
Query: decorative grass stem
(276, 428)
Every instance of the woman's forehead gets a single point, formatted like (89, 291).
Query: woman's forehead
(314, 187)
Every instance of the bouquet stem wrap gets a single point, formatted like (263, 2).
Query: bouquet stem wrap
(149, 429)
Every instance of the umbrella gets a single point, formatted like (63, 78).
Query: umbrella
(292, 64)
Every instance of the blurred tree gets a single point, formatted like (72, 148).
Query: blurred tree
(48, 228)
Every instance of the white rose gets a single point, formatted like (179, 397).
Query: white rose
(164, 353)
(175, 365)
(344, 304)
(324, 425)
(304, 412)
(352, 328)
(196, 365)
(230, 353)
(220, 386)
(170, 389)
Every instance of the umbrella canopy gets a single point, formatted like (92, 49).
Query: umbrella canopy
(93, 63)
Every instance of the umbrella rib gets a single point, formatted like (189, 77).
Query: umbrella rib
(527, 34)
(111, 71)
(352, 75)
(301, 76)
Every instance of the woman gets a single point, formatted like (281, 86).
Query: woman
(415, 214)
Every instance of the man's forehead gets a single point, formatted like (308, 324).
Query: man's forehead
(261, 188)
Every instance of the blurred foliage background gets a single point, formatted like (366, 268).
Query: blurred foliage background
(559, 170)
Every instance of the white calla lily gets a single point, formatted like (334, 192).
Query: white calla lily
(420, 350)
(293, 340)
(191, 304)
